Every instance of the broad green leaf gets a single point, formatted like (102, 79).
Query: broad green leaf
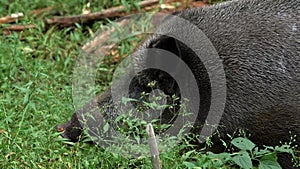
(219, 160)
(243, 160)
(243, 143)
(269, 162)
(224, 157)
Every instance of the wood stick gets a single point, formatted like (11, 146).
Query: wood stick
(88, 47)
(16, 28)
(153, 147)
(42, 10)
(11, 18)
(111, 12)
(19, 27)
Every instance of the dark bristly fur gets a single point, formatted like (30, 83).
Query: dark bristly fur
(259, 44)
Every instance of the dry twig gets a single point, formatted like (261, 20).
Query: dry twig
(19, 27)
(111, 12)
(90, 46)
(42, 10)
(16, 28)
(10, 18)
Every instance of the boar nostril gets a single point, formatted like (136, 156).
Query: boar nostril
(60, 128)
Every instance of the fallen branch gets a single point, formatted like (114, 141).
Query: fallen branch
(105, 42)
(97, 47)
(10, 18)
(90, 46)
(84, 18)
(42, 10)
(16, 28)
(19, 27)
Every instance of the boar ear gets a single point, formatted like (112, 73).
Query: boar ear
(171, 45)
(167, 43)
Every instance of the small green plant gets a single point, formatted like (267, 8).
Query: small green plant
(131, 137)
(248, 154)
(134, 121)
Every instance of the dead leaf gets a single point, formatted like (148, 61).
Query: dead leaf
(9, 154)
(2, 131)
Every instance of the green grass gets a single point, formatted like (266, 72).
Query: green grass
(65, 7)
(36, 92)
